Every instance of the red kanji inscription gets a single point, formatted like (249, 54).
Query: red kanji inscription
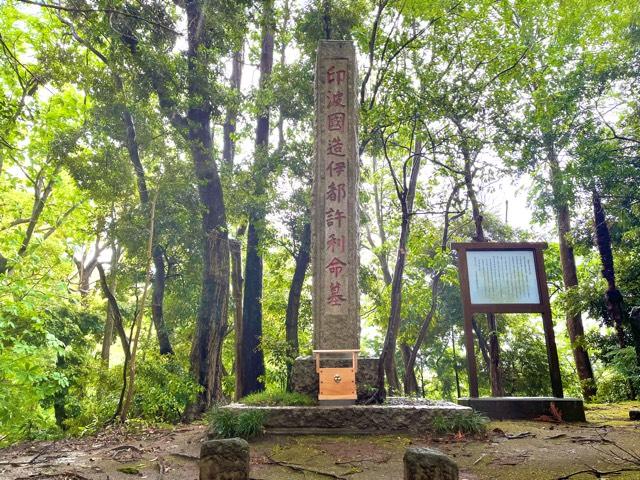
(335, 121)
(335, 147)
(336, 297)
(336, 243)
(336, 167)
(335, 266)
(336, 76)
(335, 99)
(334, 216)
(335, 193)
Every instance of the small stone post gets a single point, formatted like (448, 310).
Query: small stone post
(428, 464)
(226, 459)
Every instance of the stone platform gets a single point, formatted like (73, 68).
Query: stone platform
(526, 408)
(304, 378)
(355, 419)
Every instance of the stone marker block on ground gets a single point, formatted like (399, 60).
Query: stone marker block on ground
(428, 464)
(634, 414)
(226, 459)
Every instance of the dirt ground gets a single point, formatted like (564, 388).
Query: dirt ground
(608, 444)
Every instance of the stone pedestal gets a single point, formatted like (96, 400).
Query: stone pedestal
(226, 459)
(396, 418)
(428, 464)
(304, 378)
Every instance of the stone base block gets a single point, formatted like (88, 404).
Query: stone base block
(304, 378)
(355, 419)
(526, 408)
(428, 464)
(226, 459)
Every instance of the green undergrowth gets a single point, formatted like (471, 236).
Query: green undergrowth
(278, 398)
(474, 423)
(228, 423)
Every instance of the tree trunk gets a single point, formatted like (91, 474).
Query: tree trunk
(134, 152)
(157, 310)
(494, 344)
(482, 343)
(140, 313)
(251, 362)
(293, 303)
(613, 297)
(424, 328)
(107, 339)
(570, 278)
(634, 320)
(236, 287)
(410, 381)
(231, 117)
(497, 389)
(211, 323)
(388, 349)
(159, 279)
(252, 365)
(455, 361)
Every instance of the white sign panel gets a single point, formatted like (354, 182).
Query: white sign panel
(502, 276)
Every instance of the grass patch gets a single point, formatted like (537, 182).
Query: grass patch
(278, 398)
(474, 423)
(226, 423)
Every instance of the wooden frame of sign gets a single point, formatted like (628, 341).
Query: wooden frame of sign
(522, 288)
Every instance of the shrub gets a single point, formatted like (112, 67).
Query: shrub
(227, 423)
(276, 398)
(474, 423)
(163, 389)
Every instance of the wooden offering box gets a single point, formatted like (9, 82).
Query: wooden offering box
(337, 381)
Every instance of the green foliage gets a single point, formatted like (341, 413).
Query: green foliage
(470, 423)
(620, 375)
(163, 388)
(229, 423)
(278, 398)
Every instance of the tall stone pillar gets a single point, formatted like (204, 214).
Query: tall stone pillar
(335, 243)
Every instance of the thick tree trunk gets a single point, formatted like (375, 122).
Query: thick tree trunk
(613, 297)
(293, 303)
(252, 365)
(252, 359)
(157, 301)
(211, 323)
(574, 319)
(570, 278)
(236, 288)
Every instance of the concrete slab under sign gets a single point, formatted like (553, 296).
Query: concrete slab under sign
(353, 419)
(526, 408)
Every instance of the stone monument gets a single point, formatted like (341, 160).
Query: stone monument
(334, 230)
(334, 211)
